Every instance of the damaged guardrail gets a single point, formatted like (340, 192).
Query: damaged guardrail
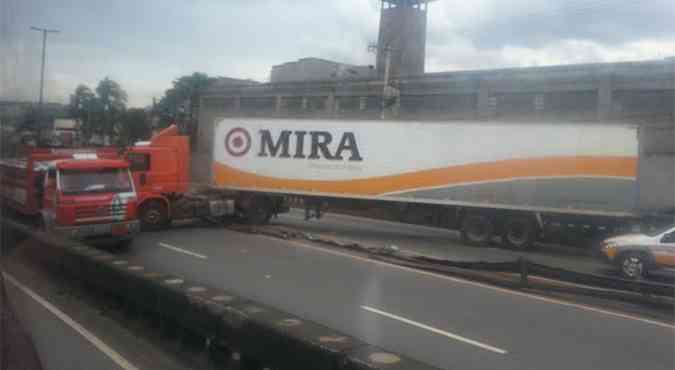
(236, 333)
(620, 288)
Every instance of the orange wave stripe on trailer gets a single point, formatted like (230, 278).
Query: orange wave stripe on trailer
(605, 166)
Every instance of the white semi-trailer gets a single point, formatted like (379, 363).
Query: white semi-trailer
(513, 180)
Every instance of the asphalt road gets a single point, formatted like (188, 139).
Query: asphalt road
(444, 243)
(446, 322)
(59, 344)
(69, 331)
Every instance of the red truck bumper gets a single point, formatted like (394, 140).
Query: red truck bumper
(109, 231)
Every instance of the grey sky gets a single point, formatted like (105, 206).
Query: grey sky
(145, 44)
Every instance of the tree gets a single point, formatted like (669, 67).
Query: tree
(82, 106)
(133, 126)
(167, 108)
(111, 103)
(178, 102)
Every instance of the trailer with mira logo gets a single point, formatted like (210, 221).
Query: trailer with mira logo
(516, 181)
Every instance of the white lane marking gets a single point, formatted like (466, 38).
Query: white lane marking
(486, 286)
(99, 344)
(181, 250)
(436, 331)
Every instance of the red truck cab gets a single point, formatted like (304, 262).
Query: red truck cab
(161, 172)
(84, 195)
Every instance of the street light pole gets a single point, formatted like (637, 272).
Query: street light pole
(44, 31)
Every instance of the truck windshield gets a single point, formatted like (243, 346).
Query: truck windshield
(110, 180)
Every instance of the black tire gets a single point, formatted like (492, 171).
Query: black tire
(519, 232)
(633, 265)
(124, 245)
(154, 215)
(477, 229)
(259, 211)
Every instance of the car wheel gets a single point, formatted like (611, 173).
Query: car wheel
(633, 266)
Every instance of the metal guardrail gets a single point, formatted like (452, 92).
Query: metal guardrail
(525, 267)
(250, 334)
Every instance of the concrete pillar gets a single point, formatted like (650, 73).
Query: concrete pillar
(278, 103)
(605, 98)
(330, 104)
(484, 109)
(237, 104)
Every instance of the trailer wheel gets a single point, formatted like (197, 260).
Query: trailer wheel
(519, 232)
(259, 211)
(154, 215)
(477, 229)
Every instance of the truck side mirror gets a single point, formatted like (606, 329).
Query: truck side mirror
(142, 179)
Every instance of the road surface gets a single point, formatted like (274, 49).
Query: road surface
(449, 323)
(60, 342)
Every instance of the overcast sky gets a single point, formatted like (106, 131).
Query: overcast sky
(144, 44)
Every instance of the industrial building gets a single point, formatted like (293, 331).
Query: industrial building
(316, 69)
(638, 92)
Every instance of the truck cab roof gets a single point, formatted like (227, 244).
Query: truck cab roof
(89, 164)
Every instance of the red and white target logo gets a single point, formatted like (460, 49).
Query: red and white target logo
(238, 142)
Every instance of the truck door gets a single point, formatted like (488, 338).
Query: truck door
(140, 167)
(49, 198)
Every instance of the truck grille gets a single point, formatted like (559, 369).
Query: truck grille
(86, 212)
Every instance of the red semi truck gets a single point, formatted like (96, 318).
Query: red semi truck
(161, 173)
(84, 194)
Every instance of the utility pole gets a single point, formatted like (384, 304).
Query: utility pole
(44, 31)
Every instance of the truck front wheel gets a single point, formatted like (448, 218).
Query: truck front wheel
(477, 229)
(124, 245)
(154, 215)
(259, 211)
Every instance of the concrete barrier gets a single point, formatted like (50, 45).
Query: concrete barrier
(253, 335)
